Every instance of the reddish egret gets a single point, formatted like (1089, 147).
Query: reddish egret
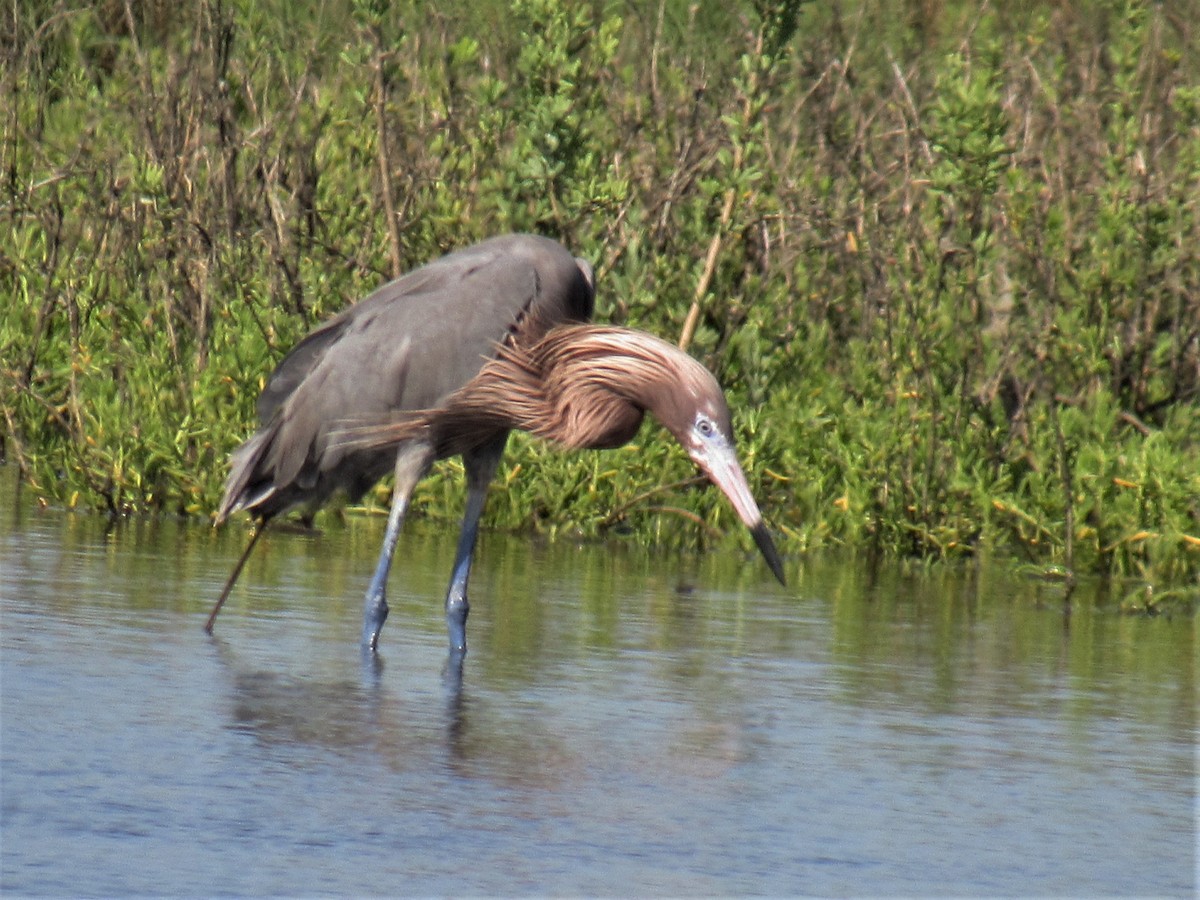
(446, 361)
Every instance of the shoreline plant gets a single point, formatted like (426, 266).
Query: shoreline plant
(945, 257)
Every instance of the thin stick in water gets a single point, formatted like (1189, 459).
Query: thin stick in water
(233, 576)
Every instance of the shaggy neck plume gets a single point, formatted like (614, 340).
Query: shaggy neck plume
(582, 386)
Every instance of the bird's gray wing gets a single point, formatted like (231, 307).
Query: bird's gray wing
(458, 307)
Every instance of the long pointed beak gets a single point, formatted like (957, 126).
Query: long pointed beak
(723, 469)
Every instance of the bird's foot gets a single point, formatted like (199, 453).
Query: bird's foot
(456, 623)
(375, 613)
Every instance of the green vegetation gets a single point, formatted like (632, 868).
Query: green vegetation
(945, 257)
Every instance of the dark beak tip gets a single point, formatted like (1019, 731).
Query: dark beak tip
(766, 545)
(777, 571)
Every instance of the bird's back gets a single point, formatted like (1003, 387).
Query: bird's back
(408, 346)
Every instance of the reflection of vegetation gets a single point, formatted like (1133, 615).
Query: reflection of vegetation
(1000, 646)
(945, 259)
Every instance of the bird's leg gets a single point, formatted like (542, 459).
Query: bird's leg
(481, 465)
(412, 463)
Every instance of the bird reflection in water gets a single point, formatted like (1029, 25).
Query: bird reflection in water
(364, 721)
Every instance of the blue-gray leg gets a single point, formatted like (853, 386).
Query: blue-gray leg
(481, 467)
(412, 464)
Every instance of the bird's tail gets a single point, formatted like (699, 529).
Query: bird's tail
(245, 488)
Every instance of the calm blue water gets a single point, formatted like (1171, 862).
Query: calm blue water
(627, 724)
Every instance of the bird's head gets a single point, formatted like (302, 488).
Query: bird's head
(644, 373)
(691, 405)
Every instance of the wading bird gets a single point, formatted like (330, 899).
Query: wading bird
(446, 361)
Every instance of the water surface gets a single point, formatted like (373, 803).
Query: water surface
(627, 723)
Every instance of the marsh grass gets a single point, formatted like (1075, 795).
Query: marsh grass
(945, 260)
